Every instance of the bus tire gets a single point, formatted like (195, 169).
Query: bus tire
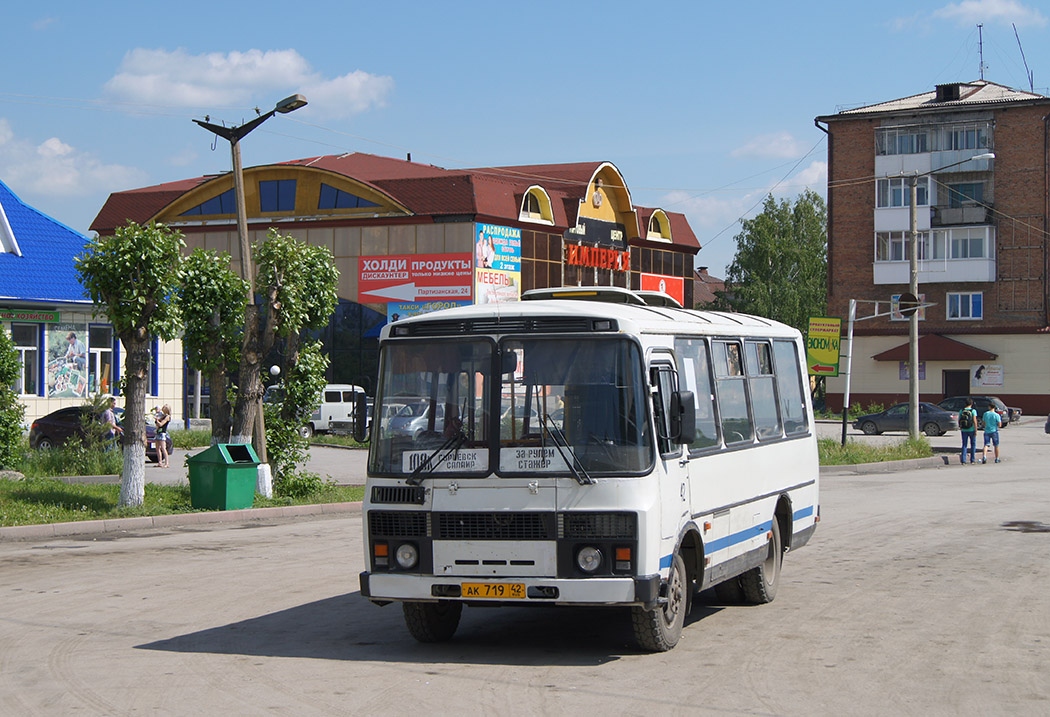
(432, 622)
(730, 592)
(760, 584)
(659, 629)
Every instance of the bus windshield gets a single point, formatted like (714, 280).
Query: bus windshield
(551, 406)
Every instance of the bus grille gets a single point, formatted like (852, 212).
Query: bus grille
(394, 494)
(394, 524)
(610, 526)
(495, 526)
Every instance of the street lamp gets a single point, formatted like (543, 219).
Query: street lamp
(251, 318)
(913, 289)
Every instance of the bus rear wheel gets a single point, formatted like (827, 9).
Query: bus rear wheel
(659, 629)
(760, 584)
(432, 621)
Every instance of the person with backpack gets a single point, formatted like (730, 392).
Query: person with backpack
(992, 421)
(968, 428)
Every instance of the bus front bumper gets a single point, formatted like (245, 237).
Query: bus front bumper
(382, 588)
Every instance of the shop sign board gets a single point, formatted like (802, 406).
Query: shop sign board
(982, 375)
(405, 309)
(35, 315)
(414, 277)
(822, 346)
(597, 257)
(673, 286)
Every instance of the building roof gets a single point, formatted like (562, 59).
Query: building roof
(705, 286)
(36, 263)
(934, 347)
(494, 193)
(979, 94)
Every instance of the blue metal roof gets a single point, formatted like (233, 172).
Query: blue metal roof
(44, 271)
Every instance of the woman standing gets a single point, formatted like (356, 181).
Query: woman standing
(163, 418)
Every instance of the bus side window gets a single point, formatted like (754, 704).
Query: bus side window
(662, 378)
(763, 391)
(789, 381)
(695, 374)
(732, 393)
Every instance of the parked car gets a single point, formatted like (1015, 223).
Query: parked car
(980, 404)
(1015, 414)
(59, 426)
(1046, 428)
(933, 420)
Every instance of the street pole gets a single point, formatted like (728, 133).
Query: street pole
(913, 320)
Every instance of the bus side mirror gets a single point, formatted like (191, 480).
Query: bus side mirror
(683, 417)
(360, 417)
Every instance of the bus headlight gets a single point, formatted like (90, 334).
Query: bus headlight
(589, 559)
(407, 556)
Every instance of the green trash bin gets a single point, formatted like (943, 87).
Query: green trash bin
(223, 477)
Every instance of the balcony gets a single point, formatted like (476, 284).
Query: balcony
(968, 213)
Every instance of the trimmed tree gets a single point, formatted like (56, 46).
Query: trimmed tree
(212, 298)
(131, 277)
(297, 284)
(12, 411)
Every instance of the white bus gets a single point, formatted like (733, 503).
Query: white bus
(587, 446)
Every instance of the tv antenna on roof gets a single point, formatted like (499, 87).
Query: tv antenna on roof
(1031, 76)
(980, 50)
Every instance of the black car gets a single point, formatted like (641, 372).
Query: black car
(59, 426)
(933, 420)
(980, 404)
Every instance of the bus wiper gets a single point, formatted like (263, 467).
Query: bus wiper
(562, 444)
(451, 446)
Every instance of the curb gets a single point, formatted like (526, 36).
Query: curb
(885, 466)
(172, 520)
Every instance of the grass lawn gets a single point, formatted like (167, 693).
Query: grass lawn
(833, 453)
(46, 500)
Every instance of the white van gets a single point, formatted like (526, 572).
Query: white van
(337, 404)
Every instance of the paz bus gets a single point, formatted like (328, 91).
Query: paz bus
(586, 446)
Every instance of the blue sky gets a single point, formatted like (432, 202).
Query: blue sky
(705, 107)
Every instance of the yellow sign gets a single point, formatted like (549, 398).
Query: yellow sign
(822, 346)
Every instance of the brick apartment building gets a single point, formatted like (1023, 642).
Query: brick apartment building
(982, 228)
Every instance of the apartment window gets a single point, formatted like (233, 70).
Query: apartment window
(100, 359)
(896, 192)
(968, 243)
(277, 195)
(26, 338)
(901, 140)
(896, 246)
(966, 306)
(965, 194)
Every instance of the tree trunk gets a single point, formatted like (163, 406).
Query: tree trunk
(249, 383)
(220, 407)
(136, 363)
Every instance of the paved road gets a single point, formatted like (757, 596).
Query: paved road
(924, 592)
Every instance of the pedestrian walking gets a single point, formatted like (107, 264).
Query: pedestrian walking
(991, 433)
(968, 428)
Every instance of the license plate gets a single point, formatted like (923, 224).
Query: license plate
(493, 591)
(152, 445)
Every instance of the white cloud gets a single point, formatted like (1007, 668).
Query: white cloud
(969, 12)
(216, 80)
(43, 23)
(54, 168)
(776, 145)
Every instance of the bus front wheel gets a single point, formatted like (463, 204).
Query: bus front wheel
(432, 622)
(659, 629)
(760, 584)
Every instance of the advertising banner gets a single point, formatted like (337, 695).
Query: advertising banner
(895, 308)
(67, 360)
(822, 345)
(986, 375)
(497, 264)
(414, 277)
(673, 286)
(35, 315)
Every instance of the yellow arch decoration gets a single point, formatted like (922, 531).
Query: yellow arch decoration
(608, 199)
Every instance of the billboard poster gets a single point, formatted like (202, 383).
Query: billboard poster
(67, 360)
(673, 286)
(895, 308)
(497, 264)
(414, 277)
(902, 370)
(982, 375)
(396, 310)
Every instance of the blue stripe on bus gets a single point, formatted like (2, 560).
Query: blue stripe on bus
(803, 513)
(665, 561)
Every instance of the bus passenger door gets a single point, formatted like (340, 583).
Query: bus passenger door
(673, 466)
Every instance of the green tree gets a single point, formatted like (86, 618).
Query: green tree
(12, 411)
(781, 264)
(132, 277)
(302, 386)
(212, 297)
(297, 284)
